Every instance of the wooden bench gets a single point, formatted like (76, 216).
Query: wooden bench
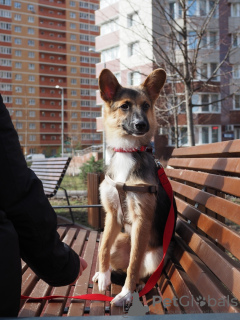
(51, 172)
(203, 275)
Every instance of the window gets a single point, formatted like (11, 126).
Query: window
(134, 78)
(19, 125)
(32, 114)
(30, 7)
(235, 9)
(31, 43)
(72, 4)
(74, 104)
(73, 92)
(5, 75)
(236, 71)
(5, 62)
(18, 65)
(5, 38)
(73, 70)
(18, 101)
(133, 49)
(74, 115)
(17, 5)
(18, 89)
(17, 41)
(206, 102)
(237, 133)
(72, 25)
(17, 17)
(32, 137)
(109, 27)
(74, 126)
(18, 77)
(31, 19)
(236, 103)
(32, 102)
(110, 54)
(5, 50)
(30, 31)
(31, 66)
(133, 19)
(73, 37)
(73, 59)
(213, 39)
(31, 54)
(5, 26)
(72, 15)
(207, 134)
(18, 29)
(31, 90)
(73, 48)
(73, 81)
(18, 53)
(31, 78)
(207, 71)
(32, 126)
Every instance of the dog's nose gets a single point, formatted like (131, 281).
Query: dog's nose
(140, 125)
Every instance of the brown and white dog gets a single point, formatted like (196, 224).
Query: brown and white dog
(130, 122)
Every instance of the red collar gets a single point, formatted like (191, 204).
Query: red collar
(141, 149)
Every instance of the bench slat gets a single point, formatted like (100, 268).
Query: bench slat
(231, 165)
(214, 149)
(219, 205)
(158, 308)
(202, 278)
(49, 171)
(54, 307)
(228, 185)
(97, 308)
(216, 230)
(35, 166)
(185, 289)
(76, 308)
(225, 268)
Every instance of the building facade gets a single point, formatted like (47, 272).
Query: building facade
(47, 48)
(136, 37)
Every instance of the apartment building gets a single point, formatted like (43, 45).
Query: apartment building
(134, 39)
(47, 52)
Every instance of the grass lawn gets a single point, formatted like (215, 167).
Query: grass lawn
(73, 183)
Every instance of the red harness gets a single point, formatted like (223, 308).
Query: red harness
(168, 231)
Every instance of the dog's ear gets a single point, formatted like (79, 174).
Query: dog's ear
(108, 85)
(154, 83)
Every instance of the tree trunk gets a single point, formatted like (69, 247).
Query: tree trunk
(190, 128)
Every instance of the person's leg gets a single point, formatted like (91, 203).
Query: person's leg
(10, 269)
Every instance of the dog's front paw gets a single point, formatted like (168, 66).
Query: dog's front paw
(123, 298)
(103, 279)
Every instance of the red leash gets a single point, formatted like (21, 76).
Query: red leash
(155, 276)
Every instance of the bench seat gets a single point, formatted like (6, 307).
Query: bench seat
(203, 274)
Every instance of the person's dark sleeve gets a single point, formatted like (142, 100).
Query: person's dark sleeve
(23, 200)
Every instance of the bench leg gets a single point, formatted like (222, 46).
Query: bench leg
(70, 209)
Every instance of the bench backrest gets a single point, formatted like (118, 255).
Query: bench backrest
(206, 184)
(51, 172)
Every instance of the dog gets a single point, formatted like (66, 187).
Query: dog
(130, 123)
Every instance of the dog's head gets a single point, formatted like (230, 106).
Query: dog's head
(129, 115)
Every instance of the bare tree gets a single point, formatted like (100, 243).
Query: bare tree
(185, 36)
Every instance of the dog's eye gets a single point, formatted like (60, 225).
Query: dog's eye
(146, 106)
(124, 106)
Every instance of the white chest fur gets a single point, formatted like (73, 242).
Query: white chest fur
(121, 165)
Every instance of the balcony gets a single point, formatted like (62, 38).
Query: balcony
(53, 26)
(58, 3)
(51, 38)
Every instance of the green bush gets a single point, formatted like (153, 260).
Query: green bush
(91, 166)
